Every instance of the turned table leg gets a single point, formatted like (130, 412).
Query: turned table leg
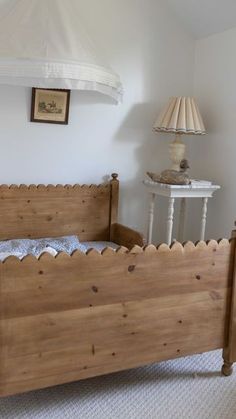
(170, 219)
(151, 217)
(204, 217)
(182, 220)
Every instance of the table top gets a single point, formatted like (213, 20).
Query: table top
(181, 191)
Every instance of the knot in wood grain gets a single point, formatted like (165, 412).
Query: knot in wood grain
(131, 268)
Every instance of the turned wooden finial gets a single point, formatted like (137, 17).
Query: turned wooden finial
(114, 176)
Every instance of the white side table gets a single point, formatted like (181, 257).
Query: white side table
(178, 191)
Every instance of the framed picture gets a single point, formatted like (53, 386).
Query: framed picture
(50, 105)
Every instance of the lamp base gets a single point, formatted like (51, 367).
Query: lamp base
(177, 152)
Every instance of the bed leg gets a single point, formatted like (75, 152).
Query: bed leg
(229, 347)
(227, 368)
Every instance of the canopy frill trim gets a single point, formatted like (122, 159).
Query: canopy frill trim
(60, 74)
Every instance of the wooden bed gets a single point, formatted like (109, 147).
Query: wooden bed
(67, 318)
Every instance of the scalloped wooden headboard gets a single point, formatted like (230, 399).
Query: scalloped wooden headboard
(49, 211)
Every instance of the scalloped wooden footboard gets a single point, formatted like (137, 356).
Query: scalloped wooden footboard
(73, 317)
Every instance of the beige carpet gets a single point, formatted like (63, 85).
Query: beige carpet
(187, 388)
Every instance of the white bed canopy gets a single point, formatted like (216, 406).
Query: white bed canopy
(43, 44)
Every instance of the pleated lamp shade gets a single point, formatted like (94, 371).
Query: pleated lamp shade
(180, 116)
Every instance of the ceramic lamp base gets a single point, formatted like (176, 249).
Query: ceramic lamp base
(177, 152)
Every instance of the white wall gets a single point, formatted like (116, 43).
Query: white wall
(214, 155)
(144, 43)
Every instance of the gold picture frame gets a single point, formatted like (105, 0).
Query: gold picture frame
(50, 105)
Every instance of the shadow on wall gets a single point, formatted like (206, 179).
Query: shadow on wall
(89, 98)
(77, 97)
(150, 153)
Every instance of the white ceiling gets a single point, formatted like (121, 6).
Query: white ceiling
(200, 17)
(205, 17)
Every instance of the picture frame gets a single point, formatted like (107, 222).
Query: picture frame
(50, 105)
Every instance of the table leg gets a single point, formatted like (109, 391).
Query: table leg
(151, 217)
(170, 221)
(182, 220)
(204, 217)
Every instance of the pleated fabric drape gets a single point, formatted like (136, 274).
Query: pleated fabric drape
(44, 44)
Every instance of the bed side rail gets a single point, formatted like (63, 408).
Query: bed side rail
(125, 236)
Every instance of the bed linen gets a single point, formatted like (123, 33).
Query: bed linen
(68, 244)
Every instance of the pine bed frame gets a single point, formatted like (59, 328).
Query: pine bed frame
(73, 317)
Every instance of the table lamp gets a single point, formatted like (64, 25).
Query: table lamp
(180, 116)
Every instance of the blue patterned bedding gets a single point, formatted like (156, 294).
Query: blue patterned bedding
(68, 244)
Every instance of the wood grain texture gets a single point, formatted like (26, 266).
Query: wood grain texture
(114, 202)
(49, 211)
(229, 353)
(73, 317)
(125, 236)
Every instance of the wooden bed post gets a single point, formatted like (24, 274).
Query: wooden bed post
(113, 202)
(229, 351)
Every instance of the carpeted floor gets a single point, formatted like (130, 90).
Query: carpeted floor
(187, 388)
